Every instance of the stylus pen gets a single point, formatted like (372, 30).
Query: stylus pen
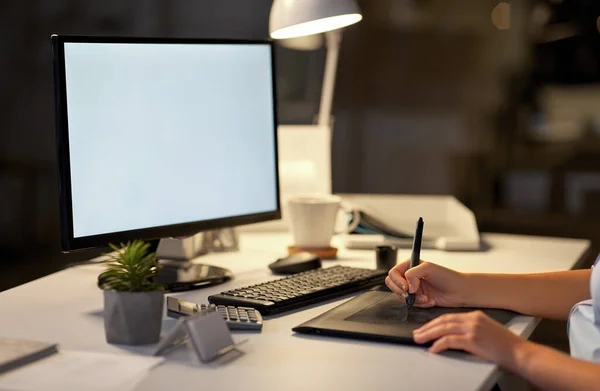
(415, 257)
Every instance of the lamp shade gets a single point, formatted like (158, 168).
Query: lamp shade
(298, 18)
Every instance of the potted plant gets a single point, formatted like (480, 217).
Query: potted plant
(133, 302)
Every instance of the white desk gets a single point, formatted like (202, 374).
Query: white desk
(66, 307)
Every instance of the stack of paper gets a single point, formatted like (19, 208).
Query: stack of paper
(17, 352)
(389, 219)
(74, 370)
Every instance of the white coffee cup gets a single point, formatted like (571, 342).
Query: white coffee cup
(312, 219)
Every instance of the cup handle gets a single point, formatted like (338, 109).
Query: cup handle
(355, 220)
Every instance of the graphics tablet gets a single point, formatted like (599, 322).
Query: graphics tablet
(382, 316)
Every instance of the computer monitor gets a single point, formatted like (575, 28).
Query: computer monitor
(163, 137)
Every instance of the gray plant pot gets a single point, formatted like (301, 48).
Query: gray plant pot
(133, 318)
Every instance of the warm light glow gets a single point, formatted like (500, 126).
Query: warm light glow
(598, 24)
(501, 16)
(316, 26)
(540, 15)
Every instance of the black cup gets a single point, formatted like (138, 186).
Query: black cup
(386, 257)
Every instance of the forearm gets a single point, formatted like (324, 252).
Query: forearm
(547, 295)
(549, 369)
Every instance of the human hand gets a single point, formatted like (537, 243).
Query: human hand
(432, 284)
(473, 332)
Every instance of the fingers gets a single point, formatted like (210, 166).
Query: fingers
(422, 301)
(425, 303)
(409, 279)
(440, 330)
(392, 285)
(447, 318)
(402, 267)
(457, 342)
(416, 274)
(451, 331)
(396, 276)
(472, 332)
(401, 279)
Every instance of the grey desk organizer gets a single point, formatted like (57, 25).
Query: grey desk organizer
(206, 333)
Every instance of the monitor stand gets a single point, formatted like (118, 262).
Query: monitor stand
(178, 272)
(176, 276)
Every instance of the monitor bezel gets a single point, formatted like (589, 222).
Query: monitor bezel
(70, 243)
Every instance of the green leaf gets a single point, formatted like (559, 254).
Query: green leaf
(131, 267)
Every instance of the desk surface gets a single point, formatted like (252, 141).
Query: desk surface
(66, 307)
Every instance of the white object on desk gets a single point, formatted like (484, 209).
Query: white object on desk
(62, 307)
(313, 220)
(77, 370)
(449, 225)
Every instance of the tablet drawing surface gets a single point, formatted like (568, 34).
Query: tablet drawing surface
(383, 316)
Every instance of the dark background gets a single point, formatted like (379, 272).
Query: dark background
(493, 102)
(477, 92)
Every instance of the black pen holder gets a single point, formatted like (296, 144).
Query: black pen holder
(386, 257)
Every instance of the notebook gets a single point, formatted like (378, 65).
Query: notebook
(18, 352)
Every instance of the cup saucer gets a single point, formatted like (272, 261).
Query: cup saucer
(321, 252)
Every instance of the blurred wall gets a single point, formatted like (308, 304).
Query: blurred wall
(418, 85)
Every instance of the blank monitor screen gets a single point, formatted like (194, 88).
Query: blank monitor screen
(162, 134)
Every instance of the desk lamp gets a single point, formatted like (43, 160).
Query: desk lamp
(305, 150)
(300, 18)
